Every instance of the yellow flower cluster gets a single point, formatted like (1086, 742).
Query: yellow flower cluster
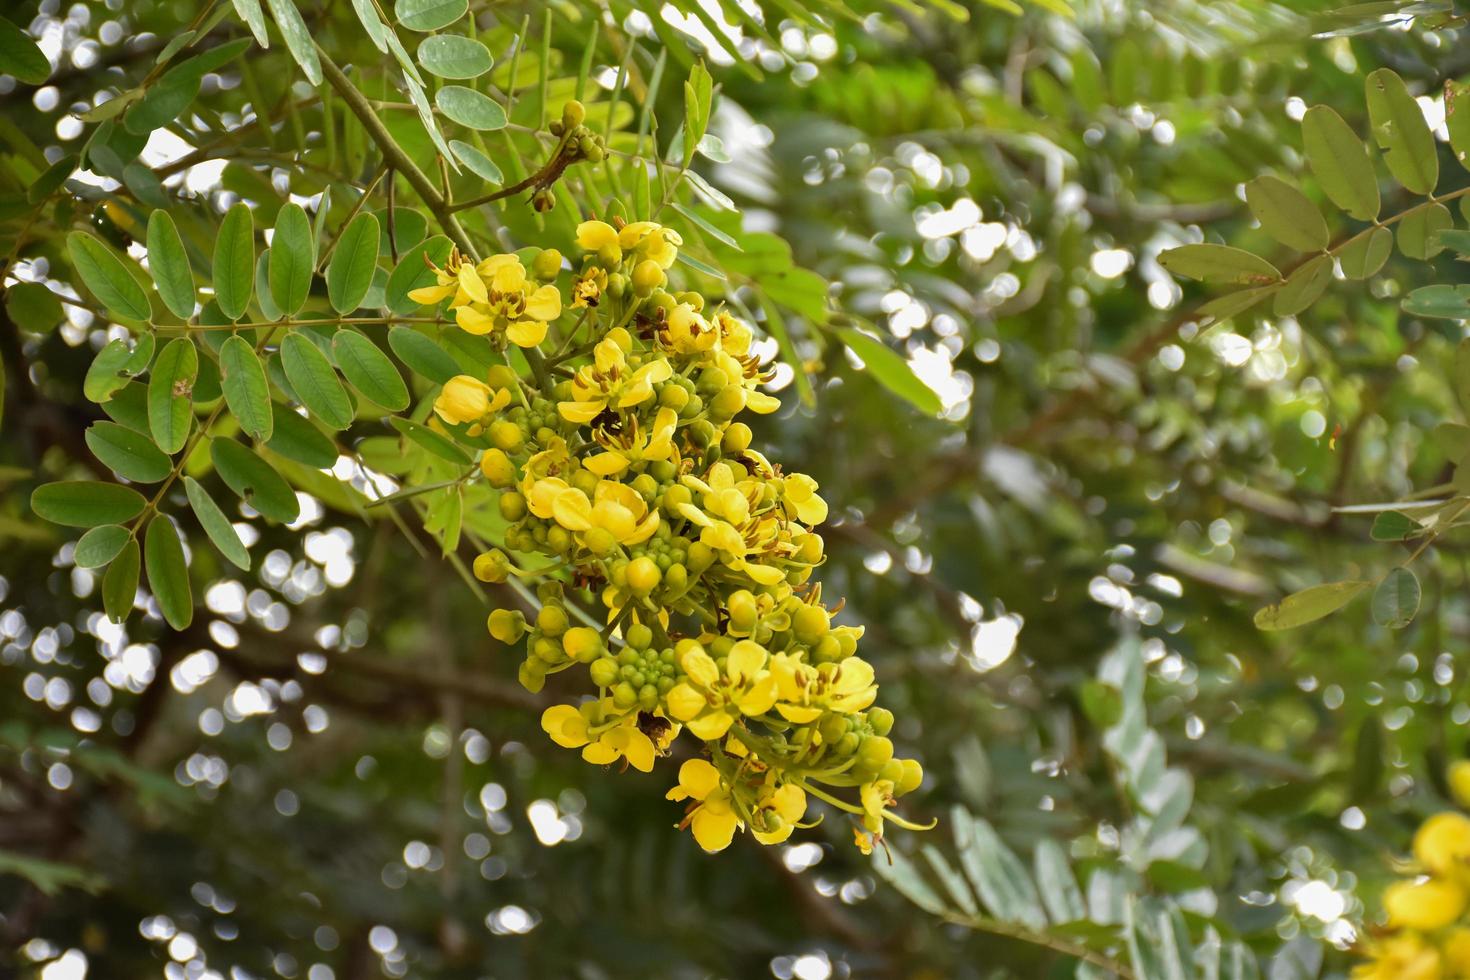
(1428, 934)
(619, 454)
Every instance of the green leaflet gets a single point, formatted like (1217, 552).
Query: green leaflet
(246, 392)
(170, 394)
(169, 265)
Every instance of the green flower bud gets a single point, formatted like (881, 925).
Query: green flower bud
(701, 556)
(912, 778)
(880, 720)
(625, 695)
(672, 396)
(874, 753)
(809, 624)
(832, 727)
(552, 620)
(648, 275)
(492, 566)
(643, 575)
(512, 506)
(582, 643)
(547, 264)
(507, 625)
(532, 676)
(728, 403)
(736, 438)
(639, 637)
(498, 468)
(604, 671)
(676, 578)
(573, 113)
(506, 435)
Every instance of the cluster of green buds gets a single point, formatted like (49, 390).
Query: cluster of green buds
(576, 142)
(673, 561)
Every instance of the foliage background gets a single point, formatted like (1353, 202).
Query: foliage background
(332, 769)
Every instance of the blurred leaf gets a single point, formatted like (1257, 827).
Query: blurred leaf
(1443, 302)
(1309, 605)
(1365, 254)
(1057, 884)
(1286, 215)
(33, 307)
(21, 56)
(107, 278)
(890, 370)
(1419, 231)
(1391, 525)
(432, 441)
(51, 878)
(999, 877)
(1396, 600)
(1219, 264)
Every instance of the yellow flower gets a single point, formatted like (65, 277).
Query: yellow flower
(588, 287)
(574, 727)
(1459, 780)
(651, 241)
(864, 840)
(686, 332)
(800, 493)
(713, 821)
(635, 444)
(709, 702)
(600, 237)
(615, 507)
(1406, 957)
(724, 517)
(468, 399)
(875, 796)
(777, 814)
(806, 692)
(608, 383)
(1443, 844)
(1426, 905)
(495, 296)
